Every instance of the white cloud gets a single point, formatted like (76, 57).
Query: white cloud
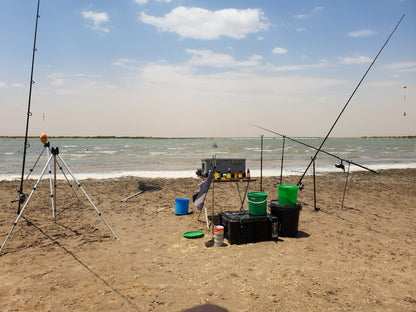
(60, 81)
(57, 82)
(278, 50)
(209, 58)
(402, 66)
(256, 57)
(57, 79)
(242, 87)
(361, 33)
(300, 29)
(11, 85)
(302, 16)
(381, 83)
(198, 23)
(164, 89)
(145, 1)
(291, 68)
(98, 19)
(354, 60)
(126, 63)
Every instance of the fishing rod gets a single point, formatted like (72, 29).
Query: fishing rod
(22, 197)
(346, 104)
(315, 148)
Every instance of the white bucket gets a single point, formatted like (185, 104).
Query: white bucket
(218, 235)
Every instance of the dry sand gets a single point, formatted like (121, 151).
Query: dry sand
(359, 258)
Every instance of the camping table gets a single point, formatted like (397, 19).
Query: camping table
(237, 183)
(242, 199)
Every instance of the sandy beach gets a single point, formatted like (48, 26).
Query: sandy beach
(357, 258)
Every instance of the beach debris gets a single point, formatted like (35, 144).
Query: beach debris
(143, 187)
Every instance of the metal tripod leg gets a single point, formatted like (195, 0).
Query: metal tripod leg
(86, 195)
(27, 202)
(345, 187)
(31, 170)
(66, 178)
(50, 185)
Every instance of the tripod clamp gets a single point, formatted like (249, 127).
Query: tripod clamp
(55, 151)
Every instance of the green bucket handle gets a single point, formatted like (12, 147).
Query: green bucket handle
(253, 202)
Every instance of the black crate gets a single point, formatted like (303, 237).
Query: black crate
(240, 227)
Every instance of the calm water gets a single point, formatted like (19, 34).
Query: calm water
(106, 158)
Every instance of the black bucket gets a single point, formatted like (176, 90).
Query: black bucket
(288, 218)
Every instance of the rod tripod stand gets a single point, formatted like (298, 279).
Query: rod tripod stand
(52, 153)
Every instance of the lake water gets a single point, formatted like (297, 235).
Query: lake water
(110, 158)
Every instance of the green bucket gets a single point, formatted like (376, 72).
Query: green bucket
(288, 195)
(257, 203)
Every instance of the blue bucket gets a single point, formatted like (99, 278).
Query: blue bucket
(181, 206)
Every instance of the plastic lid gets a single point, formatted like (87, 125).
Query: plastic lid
(193, 234)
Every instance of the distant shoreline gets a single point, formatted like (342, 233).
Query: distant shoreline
(191, 138)
(390, 137)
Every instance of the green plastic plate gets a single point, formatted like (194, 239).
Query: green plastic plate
(193, 234)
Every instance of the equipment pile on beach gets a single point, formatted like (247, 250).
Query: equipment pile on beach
(242, 226)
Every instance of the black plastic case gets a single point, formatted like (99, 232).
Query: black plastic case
(240, 227)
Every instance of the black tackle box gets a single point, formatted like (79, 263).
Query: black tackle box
(240, 227)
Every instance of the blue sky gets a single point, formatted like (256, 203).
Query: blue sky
(186, 68)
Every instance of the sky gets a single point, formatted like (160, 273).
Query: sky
(208, 68)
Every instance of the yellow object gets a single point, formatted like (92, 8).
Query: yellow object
(43, 137)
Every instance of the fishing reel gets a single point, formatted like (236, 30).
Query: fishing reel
(340, 166)
(22, 198)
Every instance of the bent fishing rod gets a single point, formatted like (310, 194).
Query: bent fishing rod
(22, 196)
(315, 148)
(346, 104)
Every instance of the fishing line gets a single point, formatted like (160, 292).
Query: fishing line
(22, 197)
(346, 104)
(315, 148)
